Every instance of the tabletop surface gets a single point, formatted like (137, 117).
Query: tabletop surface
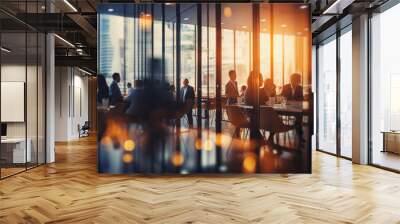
(291, 106)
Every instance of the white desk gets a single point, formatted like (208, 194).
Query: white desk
(18, 149)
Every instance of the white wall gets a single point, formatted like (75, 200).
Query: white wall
(71, 102)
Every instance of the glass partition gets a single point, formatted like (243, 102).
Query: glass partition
(222, 88)
(22, 76)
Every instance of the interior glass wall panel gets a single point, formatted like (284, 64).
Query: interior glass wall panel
(129, 43)
(111, 41)
(327, 93)
(22, 78)
(188, 43)
(346, 93)
(170, 46)
(385, 89)
(208, 60)
(15, 151)
(285, 59)
(32, 97)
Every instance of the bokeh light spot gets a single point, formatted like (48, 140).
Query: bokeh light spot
(129, 145)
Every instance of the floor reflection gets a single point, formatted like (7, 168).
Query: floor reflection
(134, 148)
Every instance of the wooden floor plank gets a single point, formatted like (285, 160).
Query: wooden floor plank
(71, 191)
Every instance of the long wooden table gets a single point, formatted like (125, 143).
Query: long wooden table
(297, 109)
(291, 108)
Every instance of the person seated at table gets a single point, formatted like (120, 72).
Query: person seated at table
(129, 88)
(242, 90)
(242, 93)
(293, 91)
(269, 88)
(253, 90)
(231, 89)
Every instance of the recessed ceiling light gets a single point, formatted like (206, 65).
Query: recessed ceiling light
(43, 7)
(186, 18)
(70, 5)
(227, 11)
(263, 20)
(5, 50)
(111, 10)
(84, 71)
(299, 33)
(244, 27)
(306, 29)
(303, 6)
(65, 41)
(283, 25)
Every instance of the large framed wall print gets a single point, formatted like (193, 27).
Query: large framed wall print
(197, 88)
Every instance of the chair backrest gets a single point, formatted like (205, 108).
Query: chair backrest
(237, 116)
(270, 120)
(86, 125)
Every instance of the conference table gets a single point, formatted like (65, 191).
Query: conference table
(297, 109)
(291, 108)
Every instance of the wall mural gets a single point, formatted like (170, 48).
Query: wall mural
(204, 88)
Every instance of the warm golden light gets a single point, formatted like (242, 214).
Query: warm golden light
(222, 140)
(197, 144)
(227, 11)
(129, 145)
(106, 140)
(145, 21)
(177, 159)
(249, 163)
(127, 158)
(208, 146)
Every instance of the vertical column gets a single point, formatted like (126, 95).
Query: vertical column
(199, 81)
(218, 72)
(50, 98)
(163, 43)
(360, 89)
(254, 130)
(338, 75)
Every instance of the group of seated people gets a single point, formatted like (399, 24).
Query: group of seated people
(261, 89)
(148, 97)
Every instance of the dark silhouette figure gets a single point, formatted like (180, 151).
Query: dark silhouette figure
(115, 92)
(187, 99)
(293, 91)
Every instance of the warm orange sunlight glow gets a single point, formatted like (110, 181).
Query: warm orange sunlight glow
(127, 158)
(177, 159)
(129, 145)
(249, 163)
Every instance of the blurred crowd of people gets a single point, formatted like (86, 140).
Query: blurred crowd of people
(260, 89)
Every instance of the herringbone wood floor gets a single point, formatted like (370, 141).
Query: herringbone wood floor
(70, 191)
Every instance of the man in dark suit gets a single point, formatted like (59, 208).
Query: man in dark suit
(293, 91)
(115, 92)
(231, 89)
(187, 98)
